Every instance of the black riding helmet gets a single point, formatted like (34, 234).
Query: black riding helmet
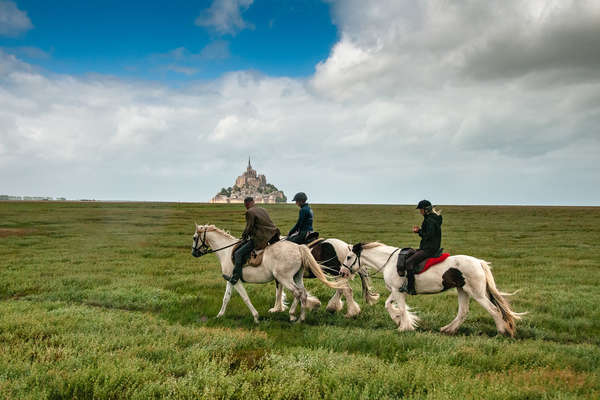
(301, 197)
(424, 204)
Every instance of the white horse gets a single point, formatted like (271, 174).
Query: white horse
(332, 262)
(282, 261)
(470, 276)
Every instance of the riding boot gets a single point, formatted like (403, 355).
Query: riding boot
(241, 256)
(410, 275)
(236, 274)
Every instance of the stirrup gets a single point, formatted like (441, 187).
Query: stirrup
(404, 288)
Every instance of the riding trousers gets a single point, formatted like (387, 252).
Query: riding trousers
(240, 256)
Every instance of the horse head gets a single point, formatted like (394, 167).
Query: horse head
(207, 236)
(352, 262)
(200, 247)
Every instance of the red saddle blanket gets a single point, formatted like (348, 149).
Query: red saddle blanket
(434, 260)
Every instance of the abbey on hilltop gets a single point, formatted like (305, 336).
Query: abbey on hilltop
(250, 184)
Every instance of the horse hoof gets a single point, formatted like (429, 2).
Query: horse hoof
(275, 309)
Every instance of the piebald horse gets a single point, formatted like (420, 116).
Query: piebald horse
(282, 261)
(331, 253)
(470, 276)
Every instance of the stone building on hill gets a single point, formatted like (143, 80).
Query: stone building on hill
(250, 184)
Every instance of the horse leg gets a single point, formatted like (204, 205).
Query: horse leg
(370, 296)
(335, 303)
(353, 307)
(389, 306)
(279, 297)
(242, 291)
(400, 312)
(293, 309)
(494, 312)
(312, 302)
(463, 309)
(226, 298)
(288, 283)
(298, 282)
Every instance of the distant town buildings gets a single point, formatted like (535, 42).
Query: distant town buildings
(250, 184)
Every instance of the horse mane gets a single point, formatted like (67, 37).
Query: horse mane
(210, 228)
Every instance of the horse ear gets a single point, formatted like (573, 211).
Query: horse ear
(196, 226)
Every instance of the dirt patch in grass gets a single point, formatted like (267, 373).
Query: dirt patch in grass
(543, 380)
(247, 359)
(6, 232)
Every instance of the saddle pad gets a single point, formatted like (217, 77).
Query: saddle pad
(434, 260)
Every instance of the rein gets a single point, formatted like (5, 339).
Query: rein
(205, 249)
(378, 270)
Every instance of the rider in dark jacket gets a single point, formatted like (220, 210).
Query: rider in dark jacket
(431, 240)
(260, 231)
(304, 225)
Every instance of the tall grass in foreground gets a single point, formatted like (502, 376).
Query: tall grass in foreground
(103, 300)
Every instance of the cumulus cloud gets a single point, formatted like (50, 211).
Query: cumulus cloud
(414, 101)
(13, 21)
(225, 16)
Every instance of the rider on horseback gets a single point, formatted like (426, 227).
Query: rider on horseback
(431, 239)
(304, 225)
(260, 231)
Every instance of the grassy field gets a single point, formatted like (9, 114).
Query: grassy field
(105, 301)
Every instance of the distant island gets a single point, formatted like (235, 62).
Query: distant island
(249, 184)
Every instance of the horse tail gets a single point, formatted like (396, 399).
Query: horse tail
(309, 261)
(369, 294)
(497, 298)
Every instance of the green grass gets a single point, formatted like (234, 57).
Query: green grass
(105, 301)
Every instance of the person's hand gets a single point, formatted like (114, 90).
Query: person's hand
(416, 229)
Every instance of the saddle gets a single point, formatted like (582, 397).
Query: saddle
(311, 237)
(255, 258)
(314, 242)
(423, 265)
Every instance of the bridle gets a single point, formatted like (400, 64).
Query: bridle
(352, 265)
(204, 247)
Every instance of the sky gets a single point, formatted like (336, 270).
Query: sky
(350, 101)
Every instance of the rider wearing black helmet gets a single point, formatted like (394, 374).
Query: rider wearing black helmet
(304, 225)
(431, 239)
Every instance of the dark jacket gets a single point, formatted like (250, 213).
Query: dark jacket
(259, 227)
(431, 233)
(305, 220)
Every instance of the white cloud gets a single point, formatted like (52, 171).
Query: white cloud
(413, 102)
(225, 16)
(13, 21)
